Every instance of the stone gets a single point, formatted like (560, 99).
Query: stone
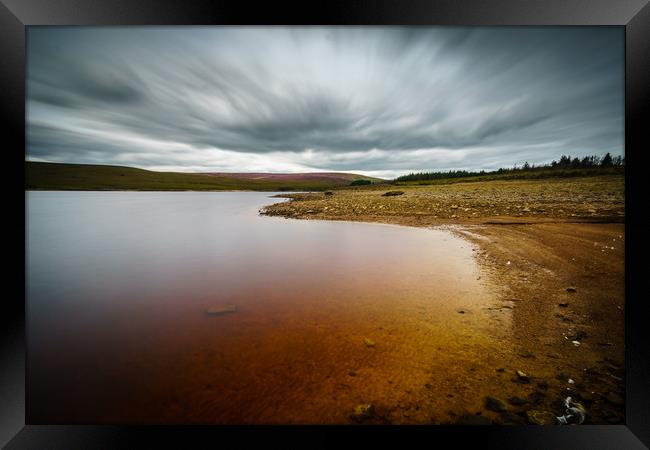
(369, 342)
(517, 401)
(221, 310)
(539, 417)
(362, 412)
(329, 193)
(571, 289)
(494, 404)
(392, 193)
(352, 373)
(563, 304)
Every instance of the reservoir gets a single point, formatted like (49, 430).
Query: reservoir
(191, 307)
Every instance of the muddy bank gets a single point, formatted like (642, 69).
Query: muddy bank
(554, 252)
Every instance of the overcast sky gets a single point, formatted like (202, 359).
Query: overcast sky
(380, 101)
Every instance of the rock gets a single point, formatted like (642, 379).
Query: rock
(329, 193)
(500, 369)
(220, 310)
(526, 354)
(494, 404)
(615, 399)
(517, 401)
(428, 385)
(369, 342)
(473, 419)
(553, 355)
(539, 417)
(362, 412)
(563, 304)
(392, 193)
(461, 311)
(571, 289)
(352, 373)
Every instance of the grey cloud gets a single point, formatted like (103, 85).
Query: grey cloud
(484, 96)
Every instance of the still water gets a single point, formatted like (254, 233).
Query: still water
(118, 284)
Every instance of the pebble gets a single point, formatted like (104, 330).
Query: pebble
(369, 342)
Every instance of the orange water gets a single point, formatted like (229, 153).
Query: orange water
(118, 285)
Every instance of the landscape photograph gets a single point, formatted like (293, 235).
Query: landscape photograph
(337, 225)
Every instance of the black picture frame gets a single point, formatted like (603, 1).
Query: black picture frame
(634, 15)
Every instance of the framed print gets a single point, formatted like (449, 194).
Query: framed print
(345, 221)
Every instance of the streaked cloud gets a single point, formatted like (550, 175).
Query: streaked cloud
(374, 100)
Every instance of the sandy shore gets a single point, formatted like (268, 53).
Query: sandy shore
(554, 249)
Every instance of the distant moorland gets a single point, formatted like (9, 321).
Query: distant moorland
(87, 177)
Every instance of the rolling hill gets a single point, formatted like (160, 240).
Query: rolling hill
(59, 176)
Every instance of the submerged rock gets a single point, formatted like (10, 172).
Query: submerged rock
(220, 310)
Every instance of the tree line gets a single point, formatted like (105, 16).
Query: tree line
(565, 162)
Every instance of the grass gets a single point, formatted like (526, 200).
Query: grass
(55, 176)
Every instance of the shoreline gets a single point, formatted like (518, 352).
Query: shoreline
(562, 277)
